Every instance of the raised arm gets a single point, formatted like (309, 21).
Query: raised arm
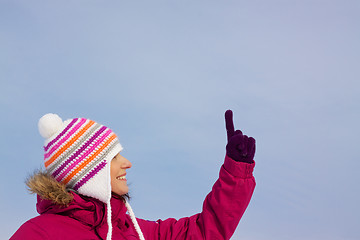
(224, 205)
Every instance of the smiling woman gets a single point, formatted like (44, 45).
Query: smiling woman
(82, 194)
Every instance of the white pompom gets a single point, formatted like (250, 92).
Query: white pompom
(49, 124)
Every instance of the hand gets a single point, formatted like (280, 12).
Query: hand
(240, 147)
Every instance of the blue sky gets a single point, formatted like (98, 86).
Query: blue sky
(161, 74)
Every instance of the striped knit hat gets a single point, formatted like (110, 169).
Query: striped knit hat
(77, 153)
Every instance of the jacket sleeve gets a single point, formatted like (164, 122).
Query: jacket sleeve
(29, 231)
(222, 209)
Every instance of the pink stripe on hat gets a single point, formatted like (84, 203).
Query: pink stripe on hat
(88, 152)
(68, 136)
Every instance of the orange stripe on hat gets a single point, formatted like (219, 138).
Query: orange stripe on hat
(85, 162)
(68, 144)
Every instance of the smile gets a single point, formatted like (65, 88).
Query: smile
(122, 177)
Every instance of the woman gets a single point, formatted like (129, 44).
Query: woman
(83, 192)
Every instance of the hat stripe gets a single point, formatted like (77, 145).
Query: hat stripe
(88, 152)
(84, 163)
(93, 164)
(90, 175)
(71, 132)
(60, 135)
(65, 155)
(80, 151)
(70, 142)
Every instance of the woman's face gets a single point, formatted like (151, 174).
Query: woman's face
(118, 167)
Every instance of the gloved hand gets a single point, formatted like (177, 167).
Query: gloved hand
(240, 147)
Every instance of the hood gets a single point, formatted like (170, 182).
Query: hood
(46, 187)
(54, 198)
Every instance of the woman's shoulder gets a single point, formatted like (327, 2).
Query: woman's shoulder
(48, 226)
(49, 219)
(32, 229)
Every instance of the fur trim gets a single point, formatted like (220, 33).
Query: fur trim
(43, 184)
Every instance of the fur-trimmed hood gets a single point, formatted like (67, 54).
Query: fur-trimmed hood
(54, 198)
(46, 187)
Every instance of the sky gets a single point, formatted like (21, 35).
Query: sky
(161, 74)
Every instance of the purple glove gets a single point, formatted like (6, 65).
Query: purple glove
(240, 147)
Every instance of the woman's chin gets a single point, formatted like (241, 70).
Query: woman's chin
(120, 192)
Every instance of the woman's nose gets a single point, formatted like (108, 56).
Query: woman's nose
(126, 164)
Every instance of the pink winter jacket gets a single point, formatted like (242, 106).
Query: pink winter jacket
(85, 218)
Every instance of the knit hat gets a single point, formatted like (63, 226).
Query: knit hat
(78, 153)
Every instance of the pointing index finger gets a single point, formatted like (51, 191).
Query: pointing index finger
(229, 123)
